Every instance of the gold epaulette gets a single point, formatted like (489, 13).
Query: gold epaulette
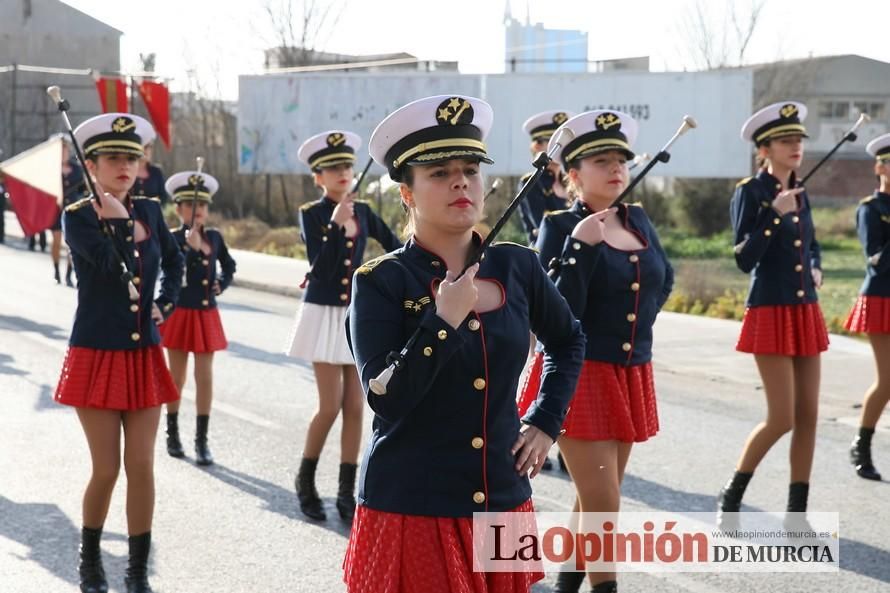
(77, 205)
(158, 200)
(525, 177)
(637, 204)
(308, 205)
(554, 212)
(743, 181)
(496, 243)
(366, 267)
(867, 199)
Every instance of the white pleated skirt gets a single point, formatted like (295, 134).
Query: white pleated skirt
(319, 335)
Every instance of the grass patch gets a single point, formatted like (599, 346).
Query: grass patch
(717, 288)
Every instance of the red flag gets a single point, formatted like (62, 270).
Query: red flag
(34, 182)
(112, 94)
(157, 101)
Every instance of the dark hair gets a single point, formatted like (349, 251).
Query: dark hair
(762, 162)
(407, 177)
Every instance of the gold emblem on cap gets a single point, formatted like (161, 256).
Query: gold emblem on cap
(196, 180)
(560, 118)
(336, 139)
(788, 111)
(607, 120)
(454, 111)
(122, 124)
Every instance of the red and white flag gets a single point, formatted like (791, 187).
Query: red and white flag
(34, 181)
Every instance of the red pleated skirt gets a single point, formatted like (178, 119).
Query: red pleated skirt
(612, 402)
(194, 330)
(785, 330)
(395, 553)
(115, 379)
(870, 315)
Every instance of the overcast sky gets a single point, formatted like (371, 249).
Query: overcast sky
(220, 39)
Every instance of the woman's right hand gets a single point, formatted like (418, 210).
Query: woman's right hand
(193, 238)
(786, 201)
(111, 207)
(455, 299)
(344, 211)
(592, 230)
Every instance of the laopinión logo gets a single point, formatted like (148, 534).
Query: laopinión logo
(655, 542)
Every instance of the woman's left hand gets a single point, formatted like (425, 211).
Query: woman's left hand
(817, 277)
(216, 288)
(156, 314)
(530, 450)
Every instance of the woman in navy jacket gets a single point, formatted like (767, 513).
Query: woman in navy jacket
(335, 229)
(783, 326)
(447, 441)
(150, 178)
(195, 326)
(73, 189)
(615, 276)
(871, 313)
(114, 372)
(548, 194)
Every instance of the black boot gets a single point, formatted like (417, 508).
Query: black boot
(92, 575)
(569, 582)
(203, 456)
(860, 455)
(68, 271)
(605, 587)
(729, 501)
(56, 274)
(174, 445)
(310, 502)
(346, 491)
(798, 494)
(796, 511)
(137, 569)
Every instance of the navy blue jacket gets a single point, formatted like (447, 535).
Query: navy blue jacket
(873, 226)
(333, 256)
(615, 293)
(106, 318)
(201, 272)
(73, 184)
(73, 189)
(442, 433)
(152, 186)
(779, 251)
(540, 200)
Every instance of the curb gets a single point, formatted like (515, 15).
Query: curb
(288, 291)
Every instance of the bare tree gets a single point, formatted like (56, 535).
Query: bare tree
(719, 38)
(300, 27)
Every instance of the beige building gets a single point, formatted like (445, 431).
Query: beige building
(836, 89)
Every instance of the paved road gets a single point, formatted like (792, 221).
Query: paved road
(235, 527)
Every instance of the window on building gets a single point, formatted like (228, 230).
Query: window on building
(837, 110)
(850, 110)
(874, 109)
